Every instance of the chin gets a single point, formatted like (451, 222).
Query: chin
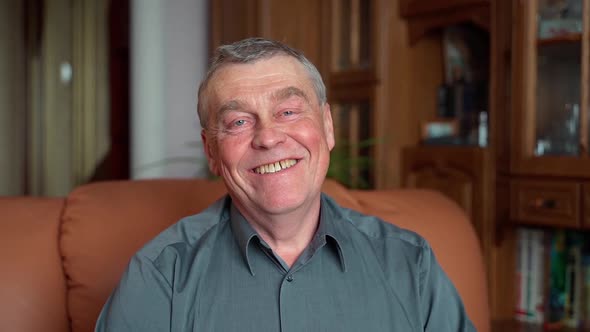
(284, 203)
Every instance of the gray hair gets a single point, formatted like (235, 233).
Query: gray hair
(251, 50)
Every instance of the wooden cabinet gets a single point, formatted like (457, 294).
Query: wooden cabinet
(461, 173)
(549, 135)
(541, 129)
(551, 89)
(235, 20)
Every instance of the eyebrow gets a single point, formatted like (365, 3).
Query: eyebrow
(279, 95)
(232, 105)
(288, 92)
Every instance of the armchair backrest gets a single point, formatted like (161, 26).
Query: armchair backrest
(90, 237)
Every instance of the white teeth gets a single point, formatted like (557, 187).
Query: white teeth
(275, 167)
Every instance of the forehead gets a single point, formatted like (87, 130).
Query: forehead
(263, 77)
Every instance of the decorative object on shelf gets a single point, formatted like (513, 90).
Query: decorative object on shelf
(463, 96)
(437, 129)
(558, 18)
(562, 136)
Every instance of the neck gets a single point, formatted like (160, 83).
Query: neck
(287, 234)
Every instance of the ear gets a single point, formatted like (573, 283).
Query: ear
(328, 126)
(210, 152)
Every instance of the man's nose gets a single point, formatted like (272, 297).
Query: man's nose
(268, 136)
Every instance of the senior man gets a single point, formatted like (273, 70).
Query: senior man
(276, 254)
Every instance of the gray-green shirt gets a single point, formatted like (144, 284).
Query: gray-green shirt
(212, 272)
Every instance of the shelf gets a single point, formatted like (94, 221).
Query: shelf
(411, 8)
(515, 326)
(568, 38)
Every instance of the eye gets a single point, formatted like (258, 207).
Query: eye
(237, 124)
(288, 112)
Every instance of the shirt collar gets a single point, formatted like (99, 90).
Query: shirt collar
(328, 232)
(243, 232)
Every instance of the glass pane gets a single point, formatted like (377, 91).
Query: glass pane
(344, 35)
(365, 34)
(351, 34)
(559, 70)
(350, 159)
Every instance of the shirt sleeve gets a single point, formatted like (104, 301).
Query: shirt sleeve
(141, 301)
(441, 307)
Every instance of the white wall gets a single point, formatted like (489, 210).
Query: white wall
(168, 60)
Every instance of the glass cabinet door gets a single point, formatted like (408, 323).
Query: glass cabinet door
(553, 54)
(352, 86)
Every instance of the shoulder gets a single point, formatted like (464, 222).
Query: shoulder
(373, 227)
(188, 232)
(391, 244)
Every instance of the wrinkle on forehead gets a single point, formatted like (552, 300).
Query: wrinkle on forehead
(277, 96)
(259, 78)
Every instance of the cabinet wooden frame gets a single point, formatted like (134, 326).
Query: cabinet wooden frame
(466, 174)
(523, 117)
(356, 84)
(410, 8)
(586, 205)
(462, 173)
(547, 203)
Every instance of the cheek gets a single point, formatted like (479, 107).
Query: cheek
(311, 133)
(232, 149)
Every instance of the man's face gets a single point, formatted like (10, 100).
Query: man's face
(270, 139)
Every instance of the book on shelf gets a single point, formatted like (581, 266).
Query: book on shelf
(553, 278)
(573, 281)
(586, 291)
(530, 276)
(556, 294)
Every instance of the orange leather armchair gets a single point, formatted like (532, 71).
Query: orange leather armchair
(61, 257)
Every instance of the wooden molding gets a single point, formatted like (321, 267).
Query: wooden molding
(419, 26)
(412, 8)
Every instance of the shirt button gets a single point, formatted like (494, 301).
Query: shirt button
(289, 278)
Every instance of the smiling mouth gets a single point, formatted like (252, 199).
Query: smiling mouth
(275, 167)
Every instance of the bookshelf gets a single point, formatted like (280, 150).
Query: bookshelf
(552, 277)
(542, 160)
(567, 38)
(510, 325)
(537, 169)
